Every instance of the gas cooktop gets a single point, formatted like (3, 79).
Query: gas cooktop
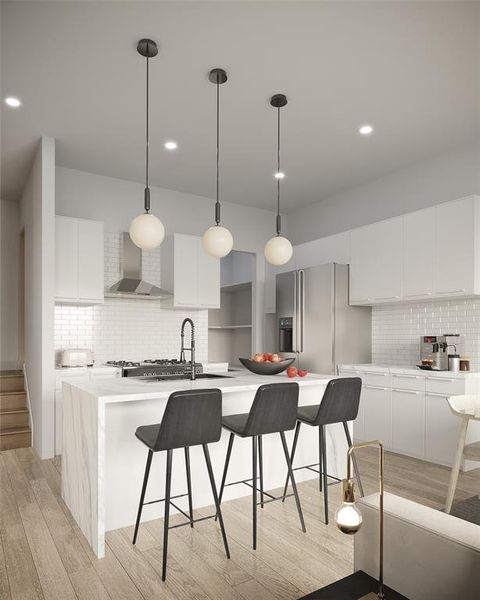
(154, 367)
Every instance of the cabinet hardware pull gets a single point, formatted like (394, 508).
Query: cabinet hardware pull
(453, 291)
(407, 392)
(408, 376)
(386, 297)
(418, 295)
(375, 387)
(444, 379)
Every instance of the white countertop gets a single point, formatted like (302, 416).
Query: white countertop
(379, 368)
(126, 389)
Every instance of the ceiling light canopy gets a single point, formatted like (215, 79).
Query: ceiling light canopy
(146, 230)
(171, 145)
(365, 130)
(13, 102)
(217, 240)
(278, 250)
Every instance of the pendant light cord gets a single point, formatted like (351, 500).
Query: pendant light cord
(147, 139)
(279, 227)
(217, 203)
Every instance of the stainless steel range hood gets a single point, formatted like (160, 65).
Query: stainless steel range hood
(131, 285)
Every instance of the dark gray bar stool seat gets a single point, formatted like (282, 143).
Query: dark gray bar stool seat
(339, 404)
(191, 418)
(274, 410)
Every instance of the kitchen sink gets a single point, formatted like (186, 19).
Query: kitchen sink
(184, 377)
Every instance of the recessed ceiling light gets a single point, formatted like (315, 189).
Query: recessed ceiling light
(279, 175)
(171, 145)
(13, 102)
(365, 130)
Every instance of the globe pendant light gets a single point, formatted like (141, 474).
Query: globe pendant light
(217, 240)
(278, 250)
(146, 230)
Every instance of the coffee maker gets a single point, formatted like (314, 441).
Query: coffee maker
(434, 350)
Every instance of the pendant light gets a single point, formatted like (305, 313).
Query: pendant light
(217, 240)
(278, 250)
(146, 230)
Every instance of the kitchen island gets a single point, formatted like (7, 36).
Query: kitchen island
(103, 462)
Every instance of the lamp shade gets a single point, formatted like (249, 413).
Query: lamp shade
(348, 518)
(278, 250)
(147, 231)
(217, 241)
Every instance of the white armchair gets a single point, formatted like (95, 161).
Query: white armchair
(429, 555)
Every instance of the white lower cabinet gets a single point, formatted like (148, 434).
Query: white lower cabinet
(377, 414)
(442, 429)
(408, 422)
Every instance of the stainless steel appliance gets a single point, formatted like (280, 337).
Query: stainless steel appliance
(76, 357)
(434, 350)
(315, 322)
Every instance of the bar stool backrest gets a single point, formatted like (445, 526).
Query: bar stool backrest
(466, 406)
(274, 409)
(340, 401)
(191, 417)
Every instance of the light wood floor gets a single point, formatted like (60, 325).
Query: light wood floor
(44, 555)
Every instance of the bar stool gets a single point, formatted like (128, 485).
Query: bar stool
(191, 418)
(339, 404)
(467, 407)
(274, 410)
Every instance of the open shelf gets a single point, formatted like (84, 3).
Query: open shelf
(229, 326)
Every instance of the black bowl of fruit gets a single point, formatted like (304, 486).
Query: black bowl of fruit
(267, 364)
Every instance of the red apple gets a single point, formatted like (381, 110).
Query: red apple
(292, 372)
(268, 357)
(276, 358)
(302, 372)
(259, 358)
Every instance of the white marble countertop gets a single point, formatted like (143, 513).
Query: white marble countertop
(124, 389)
(379, 368)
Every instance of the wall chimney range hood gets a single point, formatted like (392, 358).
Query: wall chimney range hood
(131, 285)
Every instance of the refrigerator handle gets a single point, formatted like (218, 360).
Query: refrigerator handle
(301, 278)
(295, 315)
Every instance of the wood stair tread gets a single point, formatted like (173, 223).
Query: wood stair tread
(12, 411)
(11, 373)
(12, 430)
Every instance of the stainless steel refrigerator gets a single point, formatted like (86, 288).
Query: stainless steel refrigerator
(315, 322)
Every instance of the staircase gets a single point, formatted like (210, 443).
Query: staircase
(15, 429)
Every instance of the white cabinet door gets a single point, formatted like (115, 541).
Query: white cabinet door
(58, 421)
(455, 248)
(419, 255)
(208, 278)
(386, 278)
(408, 422)
(377, 414)
(442, 429)
(362, 265)
(66, 258)
(90, 260)
(185, 270)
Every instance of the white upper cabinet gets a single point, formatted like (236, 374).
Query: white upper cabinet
(376, 263)
(189, 273)
(456, 247)
(79, 262)
(419, 232)
(432, 253)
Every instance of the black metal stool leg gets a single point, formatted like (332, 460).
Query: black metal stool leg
(254, 490)
(215, 497)
(292, 455)
(320, 456)
(189, 484)
(142, 495)
(324, 472)
(260, 462)
(354, 459)
(292, 477)
(225, 468)
(167, 513)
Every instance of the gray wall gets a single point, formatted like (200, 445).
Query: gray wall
(9, 285)
(440, 179)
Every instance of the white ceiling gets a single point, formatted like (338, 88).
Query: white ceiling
(409, 68)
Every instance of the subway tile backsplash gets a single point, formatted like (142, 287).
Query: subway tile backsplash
(396, 329)
(127, 329)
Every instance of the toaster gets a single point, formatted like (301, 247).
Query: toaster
(76, 357)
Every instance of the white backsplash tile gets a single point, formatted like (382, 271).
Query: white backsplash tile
(396, 329)
(127, 329)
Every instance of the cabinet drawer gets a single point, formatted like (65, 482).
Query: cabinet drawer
(378, 379)
(445, 385)
(408, 382)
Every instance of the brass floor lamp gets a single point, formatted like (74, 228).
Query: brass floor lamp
(349, 518)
